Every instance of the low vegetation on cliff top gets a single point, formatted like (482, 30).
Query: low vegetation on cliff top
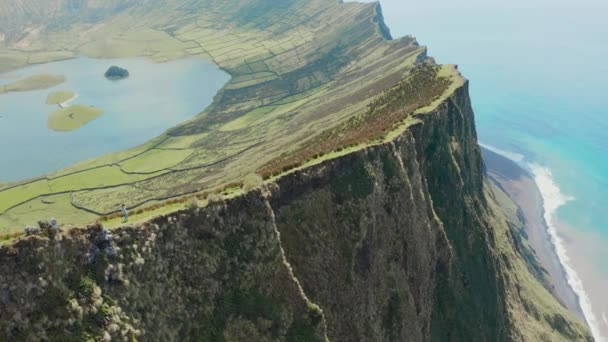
(293, 82)
(384, 114)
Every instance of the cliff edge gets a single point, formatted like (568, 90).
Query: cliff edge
(398, 241)
(376, 221)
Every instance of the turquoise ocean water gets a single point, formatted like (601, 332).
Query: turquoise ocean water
(539, 86)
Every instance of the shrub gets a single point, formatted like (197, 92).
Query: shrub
(10, 236)
(213, 198)
(192, 203)
(251, 181)
(230, 187)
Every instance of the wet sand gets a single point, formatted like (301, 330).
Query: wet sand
(522, 189)
(590, 248)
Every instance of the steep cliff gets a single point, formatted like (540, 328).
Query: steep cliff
(376, 222)
(398, 241)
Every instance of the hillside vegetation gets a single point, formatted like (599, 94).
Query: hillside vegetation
(375, 221)
(34, 82)
(298, 69)
(59, 97)
(401, 240)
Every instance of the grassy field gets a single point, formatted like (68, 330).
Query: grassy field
(298, 71)
(311, 80)
(58, 97)
(72, 117)
(34, 82)
(11, 59)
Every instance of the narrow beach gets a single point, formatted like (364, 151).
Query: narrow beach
(521, 187)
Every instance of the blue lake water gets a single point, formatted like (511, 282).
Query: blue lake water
(153, 99)
(539, 86)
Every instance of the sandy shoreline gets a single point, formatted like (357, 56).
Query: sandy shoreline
(522, 189)
(589, 249)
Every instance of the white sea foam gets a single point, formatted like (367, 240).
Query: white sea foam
(553, 199)
(516, 157)
(605, 319)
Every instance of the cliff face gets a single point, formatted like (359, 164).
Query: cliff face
(213, 273)
(391, 241)
(400, 241)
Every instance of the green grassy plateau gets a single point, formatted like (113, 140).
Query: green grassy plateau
(72, 117)
(34, 82)
(299, 70)
(59, 97)
(311, 80)
(12, 59)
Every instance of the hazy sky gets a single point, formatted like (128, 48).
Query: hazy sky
(543, 22)
(550, 39)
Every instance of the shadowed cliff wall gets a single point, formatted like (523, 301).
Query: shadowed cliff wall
(396, 242)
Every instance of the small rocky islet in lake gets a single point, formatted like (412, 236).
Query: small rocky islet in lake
(116, 73)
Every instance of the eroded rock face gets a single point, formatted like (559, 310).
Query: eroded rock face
(396, 242)
(199, 274)
(116, 73)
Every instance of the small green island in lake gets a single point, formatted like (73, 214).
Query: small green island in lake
(35, 82)
(116, 73)
(59, 97)
(72, 117)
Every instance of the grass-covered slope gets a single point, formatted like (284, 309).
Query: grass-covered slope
(398, 240)
(376, 222)
(72, 117)
(299, 69)
(59, 97)
(34, 82)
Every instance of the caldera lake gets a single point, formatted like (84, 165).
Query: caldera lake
(154, 98)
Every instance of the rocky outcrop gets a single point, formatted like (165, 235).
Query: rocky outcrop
(116, 73)
(399, 241)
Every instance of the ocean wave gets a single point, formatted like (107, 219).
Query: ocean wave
(516, 157)
(553, 199)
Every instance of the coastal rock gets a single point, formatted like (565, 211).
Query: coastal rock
(116, 73)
